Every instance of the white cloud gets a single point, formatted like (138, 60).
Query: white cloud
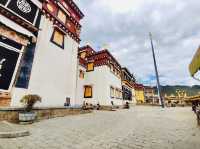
(125, 25)
(120, 6)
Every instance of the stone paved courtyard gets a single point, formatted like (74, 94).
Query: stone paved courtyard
(137, 128)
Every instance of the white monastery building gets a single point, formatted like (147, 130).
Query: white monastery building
(40, 54)
(99, 79)
(128, 82)
(39, 43)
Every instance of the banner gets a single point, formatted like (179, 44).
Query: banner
(8, 61)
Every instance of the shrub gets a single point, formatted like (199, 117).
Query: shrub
(29, 101)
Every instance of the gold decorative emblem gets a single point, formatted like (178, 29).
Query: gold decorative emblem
(24, 6)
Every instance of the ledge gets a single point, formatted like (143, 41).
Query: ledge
(37, 108)
(8, 130)
(14, 134)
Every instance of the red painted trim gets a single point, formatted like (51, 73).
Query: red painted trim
(139, 86)
(18, 20)
(75, 9)
(71, 31)
(99, 58)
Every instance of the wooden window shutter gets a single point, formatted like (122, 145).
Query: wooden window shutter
(58, 38)
(81, 74)
(90, 66)
(88, 92)
(62, 16)
(83, 55)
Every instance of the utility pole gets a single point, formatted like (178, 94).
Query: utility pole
(156, 71)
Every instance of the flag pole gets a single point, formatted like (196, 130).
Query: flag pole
(156, 71)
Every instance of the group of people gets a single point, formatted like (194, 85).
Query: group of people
(98, 106)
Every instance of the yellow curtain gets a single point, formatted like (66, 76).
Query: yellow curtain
(83, 54)
(88, 91)
(8, 33)
(62, 16)
(58, 38)
(90, 66)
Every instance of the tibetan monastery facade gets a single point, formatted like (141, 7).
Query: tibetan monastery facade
(19, 26)
(128, 82)
(99, 79)
(40, 42)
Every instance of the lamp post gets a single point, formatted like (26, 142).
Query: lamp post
(156, 71)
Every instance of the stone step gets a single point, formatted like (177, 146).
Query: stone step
(8, 130)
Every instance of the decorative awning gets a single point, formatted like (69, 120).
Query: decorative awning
(15, 26)
(195, 64)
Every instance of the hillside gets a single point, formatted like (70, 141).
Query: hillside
(190, 90)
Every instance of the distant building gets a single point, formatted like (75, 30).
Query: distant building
(99, 79)
(128, 82)
(139, 93)
(180, 98)
(150, 96)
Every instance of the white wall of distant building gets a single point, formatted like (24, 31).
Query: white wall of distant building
(101, 79)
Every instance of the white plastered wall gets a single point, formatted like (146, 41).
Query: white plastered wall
(54, 70)
(80, 86)
(101, 79)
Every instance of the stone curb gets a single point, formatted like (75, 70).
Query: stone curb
(14, 134)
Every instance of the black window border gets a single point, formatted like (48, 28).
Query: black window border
(59, 18)
(81, 71)
(63, 44)
(85, 90)
(87, 67)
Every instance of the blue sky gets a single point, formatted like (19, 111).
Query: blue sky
(123, 26)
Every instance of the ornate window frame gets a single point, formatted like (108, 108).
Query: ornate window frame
(85, 87)
(88, 70)
(56, 43)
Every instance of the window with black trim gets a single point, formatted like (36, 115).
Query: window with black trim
(88, 91)
(118, 93)
(62, 16)
(81, 74)
(83, 54)
(112, 67)
(58, 38)
(90, 66)
(112, 92)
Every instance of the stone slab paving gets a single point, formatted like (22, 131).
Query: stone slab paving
(8, 130)
(5, 127)
(137, 128)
